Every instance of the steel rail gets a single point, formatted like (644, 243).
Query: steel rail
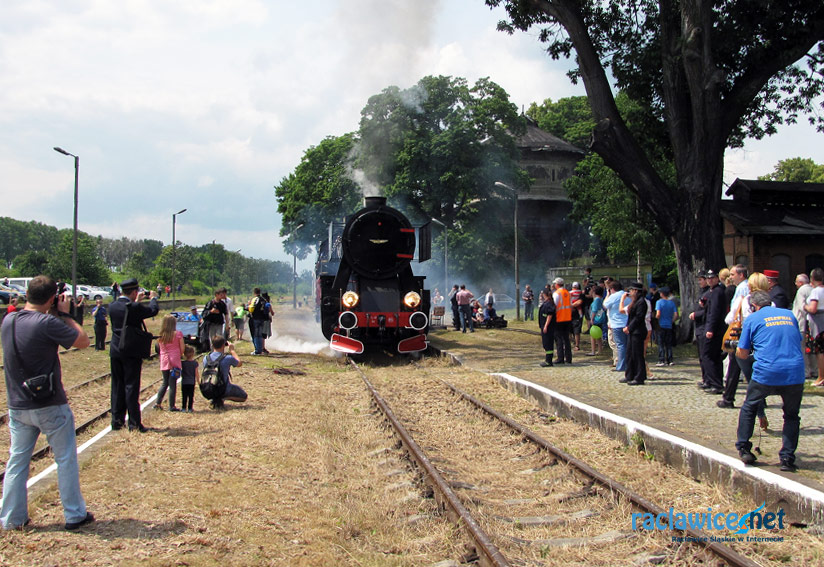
(5, 417)
(487, 551)
(725, 552)
(45, 450)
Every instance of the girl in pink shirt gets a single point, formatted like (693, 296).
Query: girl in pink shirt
(171, 351)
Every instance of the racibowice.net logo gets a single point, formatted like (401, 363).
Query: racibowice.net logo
(738, 524)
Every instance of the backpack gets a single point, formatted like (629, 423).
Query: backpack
(212, 382)
(257, 307)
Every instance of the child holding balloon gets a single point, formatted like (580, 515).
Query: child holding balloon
(597, 320)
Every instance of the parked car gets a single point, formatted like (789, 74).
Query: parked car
(7, 294)
(91, 292)
(20, 290)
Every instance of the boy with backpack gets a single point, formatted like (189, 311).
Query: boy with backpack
(215, 380)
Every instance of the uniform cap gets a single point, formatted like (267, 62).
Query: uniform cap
(771, 274)
(128, 284)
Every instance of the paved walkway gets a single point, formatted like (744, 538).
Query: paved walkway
(670, 401)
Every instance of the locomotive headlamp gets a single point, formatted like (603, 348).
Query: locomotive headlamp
(412, 299)
(350, 299)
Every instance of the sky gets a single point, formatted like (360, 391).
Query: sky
(207, 104)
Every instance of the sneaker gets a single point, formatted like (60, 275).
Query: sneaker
(714, 391)
(71, 526)
(747, 456)
(787, 466)
(671, 364)
(722, 403)
(661, 364)
(546, 364)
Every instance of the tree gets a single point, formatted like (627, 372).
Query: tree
(319, 191)
(797, 169)
(31, 263)
(441, 145)
(90, 268)
(600, 199)
(711, 72)
(18, 237)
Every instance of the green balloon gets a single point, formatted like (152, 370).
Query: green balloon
(595, 332)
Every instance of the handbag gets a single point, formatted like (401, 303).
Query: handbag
(733, 333)
(39, 388)
(135, 341)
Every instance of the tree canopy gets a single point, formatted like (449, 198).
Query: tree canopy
(435, 150)
(800, 170)
(709, 73)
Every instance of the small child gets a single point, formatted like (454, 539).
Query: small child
(191, 375)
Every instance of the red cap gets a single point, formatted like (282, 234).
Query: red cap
(771, 274)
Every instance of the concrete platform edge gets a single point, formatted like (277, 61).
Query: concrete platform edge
(801, 503)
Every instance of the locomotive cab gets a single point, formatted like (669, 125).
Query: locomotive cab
(374, 298)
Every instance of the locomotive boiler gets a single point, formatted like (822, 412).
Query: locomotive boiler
(368, 295)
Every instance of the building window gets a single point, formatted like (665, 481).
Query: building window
(742, 259)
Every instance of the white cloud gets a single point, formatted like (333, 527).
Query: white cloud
(183, 104)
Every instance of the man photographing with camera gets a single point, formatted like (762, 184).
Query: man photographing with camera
(37, 401)
(126, 360)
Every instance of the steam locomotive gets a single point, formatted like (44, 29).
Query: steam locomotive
(367, 294)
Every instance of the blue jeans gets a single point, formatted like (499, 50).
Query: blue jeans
(25, 426)
(791, 399)
(621, 346)
(466, 315)
(256, 329)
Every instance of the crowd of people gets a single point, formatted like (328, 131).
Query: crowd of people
(37, 399)
(776, 351)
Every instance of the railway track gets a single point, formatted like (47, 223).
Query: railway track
(44, 450)
(534, 500)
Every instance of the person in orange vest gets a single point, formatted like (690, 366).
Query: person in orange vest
(563, 317)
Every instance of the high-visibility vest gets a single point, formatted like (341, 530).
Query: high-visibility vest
(563, 308)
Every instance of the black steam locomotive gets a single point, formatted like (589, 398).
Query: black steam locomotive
(367, 293)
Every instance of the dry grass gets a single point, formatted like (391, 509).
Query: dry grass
(656, 481)
(290, 478)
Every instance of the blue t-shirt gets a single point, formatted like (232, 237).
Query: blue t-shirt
(772, 334)
(597, 305)
(225, 364)
(612, 303)
(668, 309)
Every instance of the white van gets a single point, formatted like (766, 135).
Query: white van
(24, 282)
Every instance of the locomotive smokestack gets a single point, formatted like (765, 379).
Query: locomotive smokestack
(374, 201)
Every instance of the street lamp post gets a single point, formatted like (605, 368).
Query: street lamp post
(74, 238)
(517, 274)
(295, 271)
(445, 255)
(174, 256)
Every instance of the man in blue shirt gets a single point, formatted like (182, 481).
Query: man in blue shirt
(617, 321)
(772, 333)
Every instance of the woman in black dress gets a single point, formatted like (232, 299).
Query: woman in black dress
(636, 328)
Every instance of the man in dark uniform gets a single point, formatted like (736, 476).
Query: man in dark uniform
(699, 317)
(456, 313)
(546, 321)
(126, 366)
(714, 327)
(777, 293)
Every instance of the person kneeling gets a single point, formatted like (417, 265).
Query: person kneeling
(220, 363)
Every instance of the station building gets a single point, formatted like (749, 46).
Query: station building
(775, 225)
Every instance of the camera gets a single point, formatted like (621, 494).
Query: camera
(731, 344)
